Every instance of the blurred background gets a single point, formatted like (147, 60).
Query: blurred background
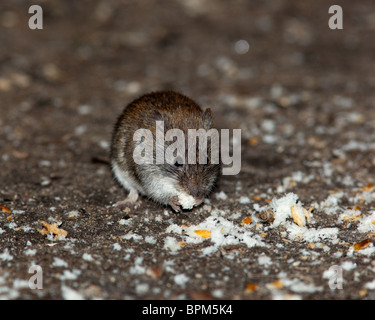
(260, 65)
(102, 53)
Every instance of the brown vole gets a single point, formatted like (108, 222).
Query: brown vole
(178, 184)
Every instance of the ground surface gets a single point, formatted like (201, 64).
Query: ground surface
(302, 94)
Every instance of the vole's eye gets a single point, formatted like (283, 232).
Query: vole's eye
(179, 163)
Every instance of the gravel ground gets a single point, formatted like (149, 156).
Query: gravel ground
(302, 94)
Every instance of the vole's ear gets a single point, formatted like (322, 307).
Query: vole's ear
(207, 118)
(156, 116)
(153, 116)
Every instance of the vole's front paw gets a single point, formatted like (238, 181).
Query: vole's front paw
(175, 204)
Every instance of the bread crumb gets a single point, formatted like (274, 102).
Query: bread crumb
(203, 233)
(53, 228)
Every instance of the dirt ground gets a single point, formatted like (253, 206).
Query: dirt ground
(302, 94)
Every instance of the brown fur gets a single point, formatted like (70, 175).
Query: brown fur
(178, 112)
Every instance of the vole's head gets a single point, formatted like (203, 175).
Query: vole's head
(183, 151)
(192, 155)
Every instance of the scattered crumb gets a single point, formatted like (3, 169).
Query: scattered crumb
(221, 195)
(181, 279)
(203, 233)
(171, 244)
(53, 229)
(186, 201)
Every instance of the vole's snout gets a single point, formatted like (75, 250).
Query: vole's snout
(195, 192)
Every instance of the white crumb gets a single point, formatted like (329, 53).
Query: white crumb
(5, 256)
(87, 257)
(142, 288)
(367, 223)
(244, 200)
(220, 232)
(186, 201)
(370, 285)
(57, 262)
(171, 244)
(70, 294)
(116, 246)
(174, 228)
(330, 205)
(221, 195)
(150, 239)
(282, 208)
(181, 279)
(310, 234)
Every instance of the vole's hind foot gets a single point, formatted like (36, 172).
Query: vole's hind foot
(130, 201)
(122, 205)
(175, 204)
